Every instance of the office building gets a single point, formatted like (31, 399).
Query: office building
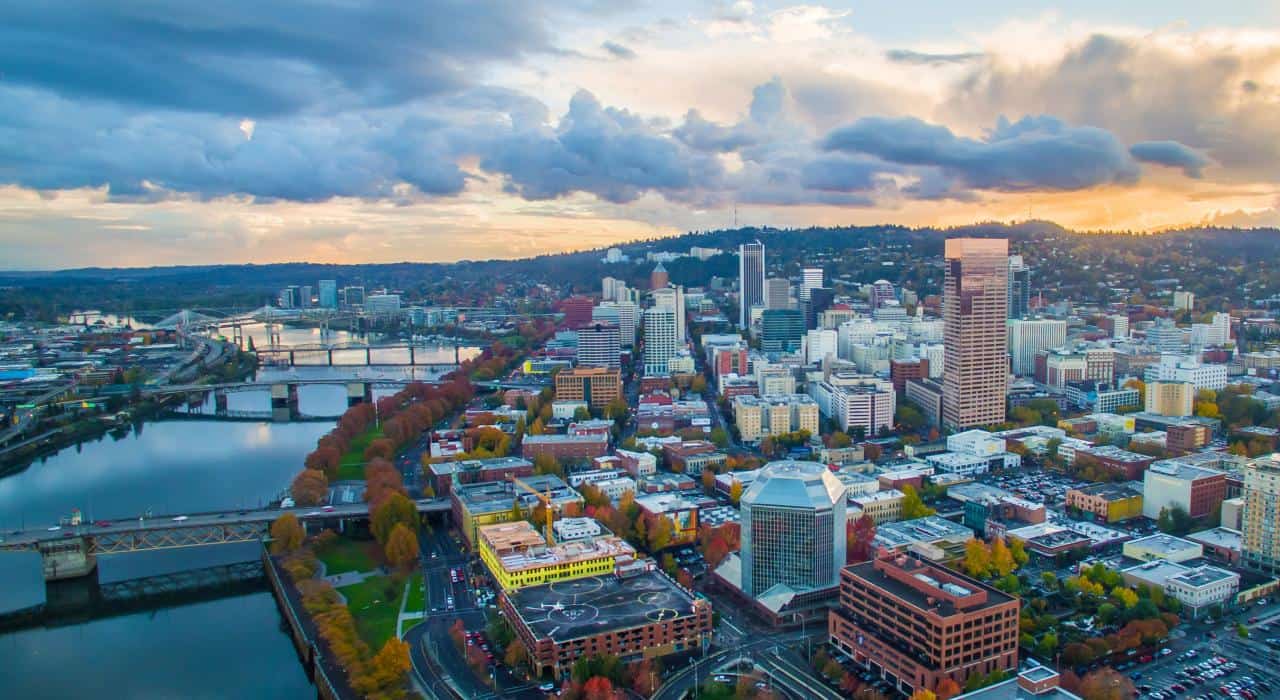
(1215, 333)
(1165, 336)
(328, 294)
(1109, 503)
(1197, 588)
(635, 616)
(576, 310)
(975, 310)
(900, 371)
(489, 502)
(913, 622)
(565, 448)
(793, 529)
(288, 297)
(382, 303)
(1260, 546)
(1029, 337)
(660, 339)
(1162, 547)
(517, 555)
(868, 404)
(623, 314)
(926, 394)
(1170, 398)
(819, 305)
(1117, 325)
(595, 386)
(304, 296)
(819, 344)
(1019, 288)
(882, 293)
(774, 414)
(1184, 301)
(353, 296)
(673, 298)
(599, 345)
(613, 289)
(810, 279)
(777, 293)
(658, 279)
(750, 280)
(1176, 368)
(1170, 483)
(781, 330)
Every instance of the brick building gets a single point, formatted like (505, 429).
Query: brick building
(913, 622)
(597, 386)
(1127, 465)
(1107, 502)
(902, 370)
(565, 447)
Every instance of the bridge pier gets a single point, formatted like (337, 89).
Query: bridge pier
(67, 558)
(412, 358)
(368, 355)
(358, 392)
(220, 403)
(290, 358)
(330, 353)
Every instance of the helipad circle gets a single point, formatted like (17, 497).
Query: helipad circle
(570, 614)
(661, 614)
(654, 597)
(581, 586)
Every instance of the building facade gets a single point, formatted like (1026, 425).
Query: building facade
(793, 528)
(596, 386)
(975, 313)
(750, 280)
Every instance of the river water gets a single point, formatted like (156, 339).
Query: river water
(231, 647)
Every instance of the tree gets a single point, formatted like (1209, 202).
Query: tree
(546, 464)
(517, 654)
(388, 671)
(309, 488)
(698, 385)
(720, 437)
(977, 558)
(947, 688)
(402, 547)
(1174, 520)
(581, 413)
(912, 506)
(286, 534)
(397, 509)
(924, 694)
(660, 534)
(1001, 557)
(1019, 552)
(1047, 645)
(735, 491)
(859, 540)
(1106, 683)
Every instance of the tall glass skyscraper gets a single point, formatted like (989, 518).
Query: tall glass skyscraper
(1019, 288)
(975, 311)
(793, 528)
(750, 280)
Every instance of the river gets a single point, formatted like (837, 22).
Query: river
(232, 647)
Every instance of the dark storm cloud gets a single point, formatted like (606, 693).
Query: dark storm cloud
(608, 152)
(1172, 154)
(1034, 153)
(839, 173)
(260, 59)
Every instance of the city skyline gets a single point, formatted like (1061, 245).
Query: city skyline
(233, 134)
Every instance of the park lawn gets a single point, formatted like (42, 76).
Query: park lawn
(351, 468)
(417, 600)
(342, 555)
(374, 615)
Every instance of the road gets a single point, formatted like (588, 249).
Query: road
(28, 539)
(437, 663)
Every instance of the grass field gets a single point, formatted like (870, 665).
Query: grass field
(343, 555)
(417, 601)
(375, 612)
(352, 466)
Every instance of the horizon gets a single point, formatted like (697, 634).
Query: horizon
(249, 134)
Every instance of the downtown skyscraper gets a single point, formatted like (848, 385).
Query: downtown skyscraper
(750, 280)
(975, 311)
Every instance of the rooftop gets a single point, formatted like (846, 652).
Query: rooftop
(931, 587)
(583, 607)
(1181, 470)
(491, 496)
(1109, 491)
(498, 463)
(877, 496)
(1218, 537)
(1156, 572)
(928, 529)
(794, 484)
(553, 439)
(1163, 544)
(1202, 576)
(518, 547)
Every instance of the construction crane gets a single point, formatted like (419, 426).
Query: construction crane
(545, 498)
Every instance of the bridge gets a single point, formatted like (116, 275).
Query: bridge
(367, 355)
(70, 552)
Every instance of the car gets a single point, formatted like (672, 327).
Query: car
(55, 528)
(180, 518)
(102, 523)
(313, 514)
(547, 687)
(327, 509)
(68, 534)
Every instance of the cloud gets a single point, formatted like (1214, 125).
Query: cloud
(932, 59)
(1172, 154)
(1033, 153)
(605, 151)
(618, 50)
(253, 59)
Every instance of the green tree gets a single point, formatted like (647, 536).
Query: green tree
(720, 437)
(546, 464)
(1047, 645)
(912, 506)
(581, 413)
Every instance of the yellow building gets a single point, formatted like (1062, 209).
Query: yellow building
(518, 556)
(1170, 398)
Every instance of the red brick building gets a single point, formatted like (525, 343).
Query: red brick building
(1128, 465)
(1188, 437)
(577, 312)
(565, 447)
(902, 370)
(731, 362)
(914, 622)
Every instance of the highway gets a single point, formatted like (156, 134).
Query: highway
(29, 539)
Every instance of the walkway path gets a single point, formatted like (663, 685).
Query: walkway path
(404, 600)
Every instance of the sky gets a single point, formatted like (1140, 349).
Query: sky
(146, 132)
